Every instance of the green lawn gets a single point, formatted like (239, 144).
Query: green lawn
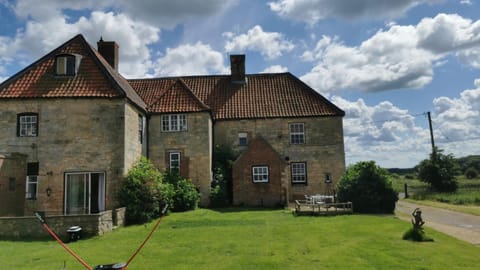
(466, 199)
(255, 239)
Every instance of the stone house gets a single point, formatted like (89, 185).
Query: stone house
(71, 127)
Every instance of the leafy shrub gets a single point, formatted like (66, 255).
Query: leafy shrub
(439, 171)
(185, 194)
(417, 235)
(368, 187)
(143, 192)
(471, 173)
(221, 192)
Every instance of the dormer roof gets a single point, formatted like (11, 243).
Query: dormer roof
(94, 77)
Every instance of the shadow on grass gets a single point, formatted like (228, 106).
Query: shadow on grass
(236, 209)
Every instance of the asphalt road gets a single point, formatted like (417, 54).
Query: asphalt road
(459, 225)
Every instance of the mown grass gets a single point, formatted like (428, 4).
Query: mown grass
(254, 239)
(466, 199)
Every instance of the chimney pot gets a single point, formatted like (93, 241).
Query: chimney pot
(237, 68)
(109, 51)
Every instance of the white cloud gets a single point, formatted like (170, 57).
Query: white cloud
(275, 69)
(190, 59)
(396, 58)
(395, 138)
(312, 11)
(382, 132)
(269, 44)
(458, 118)
(161, 13)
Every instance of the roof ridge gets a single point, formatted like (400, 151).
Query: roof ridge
(40, 60)
(186, 89)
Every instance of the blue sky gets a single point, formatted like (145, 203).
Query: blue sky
(386, 63)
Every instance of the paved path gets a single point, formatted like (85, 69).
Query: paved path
(459, 225)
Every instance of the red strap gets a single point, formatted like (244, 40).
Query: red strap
(148, 237)
(66, 247)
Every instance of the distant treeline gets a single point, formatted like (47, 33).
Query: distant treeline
(463, 164)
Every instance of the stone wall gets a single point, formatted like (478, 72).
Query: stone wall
(30, 227)
(74, 135)
(194, 144)
(12, 184)
(323, 151)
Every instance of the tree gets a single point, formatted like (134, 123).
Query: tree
(221, 193)
(368, 187)
(143, 192)
(471, 173)
(439, 171)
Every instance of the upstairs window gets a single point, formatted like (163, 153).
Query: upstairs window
(27, 125)
(242, 139)
(174, 122)
(140, 128)
(67, 64)
(260, 174)
(297, 133)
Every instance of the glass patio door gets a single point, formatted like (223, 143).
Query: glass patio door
(84, 193)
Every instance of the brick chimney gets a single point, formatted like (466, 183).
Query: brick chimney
(237, 67)
(109, 51)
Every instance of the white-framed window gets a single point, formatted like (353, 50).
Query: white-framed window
(260, 174)
(27, 125)
(31, 187)
(140, 128)
(174, 122)
(242, 139)
(297, 133)
(174, 162)
(299, 172)
(67, 64)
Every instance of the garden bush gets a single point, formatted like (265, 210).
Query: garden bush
(185, 194)
(471, 173)
(368, 187)
(417, 235)
(143, 193)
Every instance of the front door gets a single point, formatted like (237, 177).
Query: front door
(84, 193)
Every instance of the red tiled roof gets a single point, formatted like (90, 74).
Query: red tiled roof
(172, 96)
(263, 96)
(95, 77)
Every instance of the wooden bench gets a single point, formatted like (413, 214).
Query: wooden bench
(322, 208)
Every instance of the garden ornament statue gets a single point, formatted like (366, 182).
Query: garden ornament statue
(417, 220)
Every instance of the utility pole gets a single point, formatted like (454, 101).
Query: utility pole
(431, 132)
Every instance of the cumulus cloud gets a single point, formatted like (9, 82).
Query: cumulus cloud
(382, 132)
(275, 69)
(395, 58)
(396, 137)
(161, 13)
(459, 118)
(189, 59)
(133, 25)
(269, 44)
(312, 11)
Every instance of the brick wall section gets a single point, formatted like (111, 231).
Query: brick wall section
(30, 227)
(75, 135)
(195, 146)
(323, 151)
(245, 191)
